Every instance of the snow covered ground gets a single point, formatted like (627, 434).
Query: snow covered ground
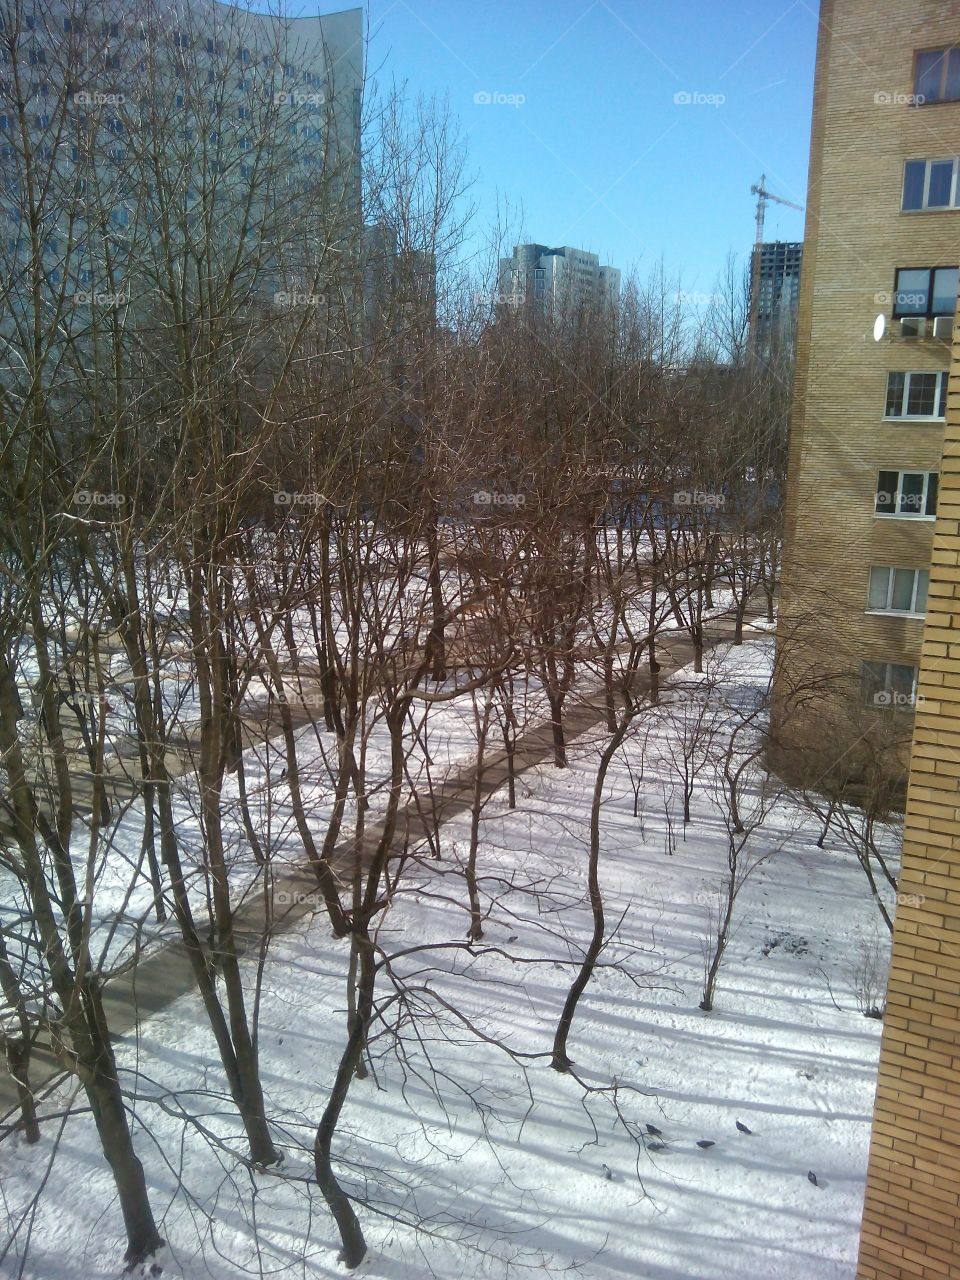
(506, 1167)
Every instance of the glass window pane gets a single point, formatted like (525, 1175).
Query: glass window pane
(895, 384)
(902, 596)
(923, 582)
(913, 287)
(902, 679)
(879, 586)
(871, 680)
(933, 484)
(922, 393)
(944, 291)
(911, 493)
(951, 90)
(941, 180)
(886, 493)
(913, 176)
(929, 73)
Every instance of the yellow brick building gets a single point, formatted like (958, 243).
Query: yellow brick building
(911, 1217)
(869, 635)
(882, 239)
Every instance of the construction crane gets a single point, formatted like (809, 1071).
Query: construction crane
(763, 195)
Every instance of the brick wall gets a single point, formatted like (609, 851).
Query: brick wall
(911, 1218)
(856, 237)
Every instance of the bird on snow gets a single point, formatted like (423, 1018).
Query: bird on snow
(705, 1143)
(606, 1172)
(812, 1177)
(656, 1146)
(652, 1128)
(743, 1128)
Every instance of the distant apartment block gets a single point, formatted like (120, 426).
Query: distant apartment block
(777, 291)
(229, 93)
(553, 281)
(399, 285)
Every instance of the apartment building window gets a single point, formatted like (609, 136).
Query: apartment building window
(930, 184)
(894, 590)
(937, 76)
(907, 494)
(891, 685)
(916, 395)
(925, 291)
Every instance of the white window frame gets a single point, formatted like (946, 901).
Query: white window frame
(925, 207)
(891, 570)
(942, 376)
(895, 513)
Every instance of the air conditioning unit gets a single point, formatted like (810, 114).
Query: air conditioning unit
(943, 328)
(912, 327)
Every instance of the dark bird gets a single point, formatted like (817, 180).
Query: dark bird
(652, 1128)
(656, 1146)
(705, 1143)
(743, 1128)
(606, 1172)
(812, 1177)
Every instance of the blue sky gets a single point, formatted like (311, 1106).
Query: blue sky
(598, 154)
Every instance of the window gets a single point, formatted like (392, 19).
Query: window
(891, 685)
(930, 184)
(916, 395)
(895, 590)
(925, 291)
(907, 494)
(937, 76)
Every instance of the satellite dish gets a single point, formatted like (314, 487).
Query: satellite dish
(879, 327)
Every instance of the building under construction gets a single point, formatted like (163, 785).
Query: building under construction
(775, 288)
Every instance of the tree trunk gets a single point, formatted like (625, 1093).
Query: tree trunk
(560, 1060)
(556, 726)
(338, 1202)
